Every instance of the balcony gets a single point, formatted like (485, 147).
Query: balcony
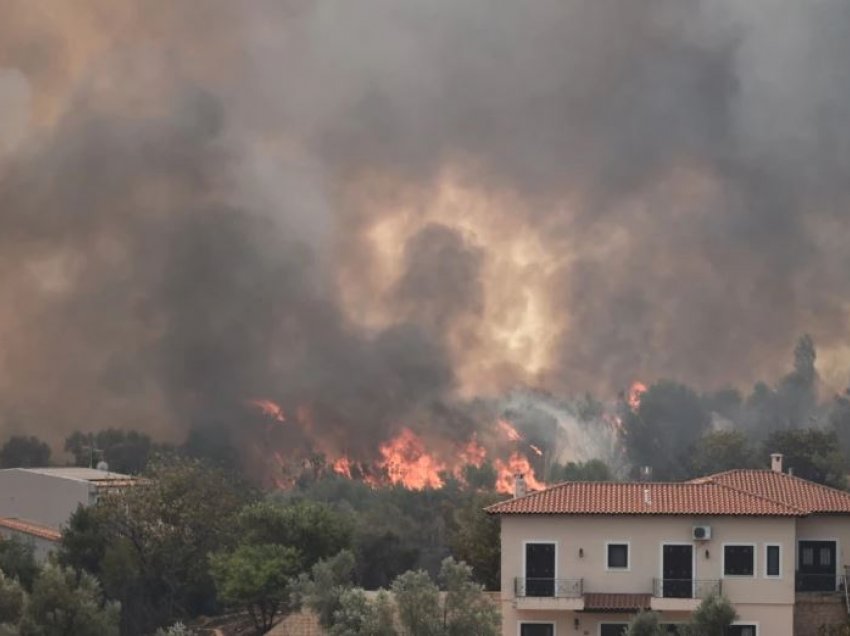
(822, 583)
(682, 594)
(549, 594)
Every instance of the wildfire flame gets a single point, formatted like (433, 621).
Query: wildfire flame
(473, 453)
(636, 392)
(342, 466)
(269, 408)
(516, 465)
(510, 432)
(407, 463)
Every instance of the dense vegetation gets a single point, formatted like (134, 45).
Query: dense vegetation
(196, 538)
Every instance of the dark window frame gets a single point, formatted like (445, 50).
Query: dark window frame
(734, 563)
(618, 544)
(767, 561)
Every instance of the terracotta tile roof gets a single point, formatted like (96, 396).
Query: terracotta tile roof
(790, 490)
(35, 530)
(615, 498)
(616, 602)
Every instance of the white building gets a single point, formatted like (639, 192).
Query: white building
(36, 503)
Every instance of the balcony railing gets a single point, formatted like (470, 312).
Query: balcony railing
(820, 582)
(685, 588)
(548, 588)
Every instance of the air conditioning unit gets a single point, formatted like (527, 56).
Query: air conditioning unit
(702, 533)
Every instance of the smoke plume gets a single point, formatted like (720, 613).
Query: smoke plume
(386, 214)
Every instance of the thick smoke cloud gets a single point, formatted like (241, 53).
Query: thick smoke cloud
(379, 210)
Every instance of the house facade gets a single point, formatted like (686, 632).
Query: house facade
(583, 558)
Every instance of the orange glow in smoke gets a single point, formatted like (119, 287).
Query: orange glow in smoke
(407, 463)
(510, 432)
(342, 466)
(516, 465)
(636, 392)
(269, 408)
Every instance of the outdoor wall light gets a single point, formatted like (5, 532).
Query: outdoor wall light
(707, 554)
(581, 553)
(575, 623)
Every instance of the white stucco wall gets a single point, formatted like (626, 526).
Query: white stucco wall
(47, 500)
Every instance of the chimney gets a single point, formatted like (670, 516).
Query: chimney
(776, 462)
(519, 485)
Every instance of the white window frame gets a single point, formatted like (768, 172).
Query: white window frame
(522, 622)
(628, 567)
(772, 545)
(740, 544)
(525, 552)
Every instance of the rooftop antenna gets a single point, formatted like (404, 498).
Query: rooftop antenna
(92, 450)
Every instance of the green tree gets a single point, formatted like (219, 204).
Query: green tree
(476, 539)
(418, 602)
(711, 618)
(358, 615)
(17, 561)
(330, 579)
(65, 604)
(466, 609)
(260, 579)
(664, 429)
(22, 451)
(811, 453)
(722, 450)
(125, 451)
(645, 624)
(84, 540)
(158, 536)
(316, 529)
(12, 598)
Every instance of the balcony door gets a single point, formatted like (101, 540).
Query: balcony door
(816, 571)
(677, 570)
(540, 569)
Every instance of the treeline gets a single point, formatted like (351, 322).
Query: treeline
(192, 540)
(681, 433)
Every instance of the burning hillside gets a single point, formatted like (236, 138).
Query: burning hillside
(420, 460)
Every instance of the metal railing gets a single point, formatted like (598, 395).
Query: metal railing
(820, 582)
(685, 588)
(548, 588)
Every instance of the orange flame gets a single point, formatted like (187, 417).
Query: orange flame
(269, 408)
(510, 432)
(516, 465)
(473, 453)
(636, 392)
(407, 463)
(342, 466)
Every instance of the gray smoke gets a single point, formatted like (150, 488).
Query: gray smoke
(379, 210)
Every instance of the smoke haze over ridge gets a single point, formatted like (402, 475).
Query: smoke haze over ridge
(378, 208)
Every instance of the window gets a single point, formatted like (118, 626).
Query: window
(539, 569)
(613, 629)
(738, 560)
(536, 629)
(618, 556)
(772, 561)
(741, 630)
